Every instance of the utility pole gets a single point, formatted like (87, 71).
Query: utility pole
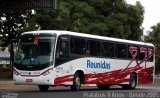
(54, 4)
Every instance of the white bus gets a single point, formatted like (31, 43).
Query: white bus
(63, 58)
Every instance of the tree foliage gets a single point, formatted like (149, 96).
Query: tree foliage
(112, 18)
(154, 37)
(11, 24)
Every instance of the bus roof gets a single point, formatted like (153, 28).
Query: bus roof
(61, 32)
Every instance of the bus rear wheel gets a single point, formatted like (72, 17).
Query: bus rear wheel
(76, 82)
(132, 82)
(43, 88)
(103, 86)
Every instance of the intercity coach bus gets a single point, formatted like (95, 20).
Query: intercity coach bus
(63, 58)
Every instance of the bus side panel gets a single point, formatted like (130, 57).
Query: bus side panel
(146, 75)
(119, 72)
(103, 71)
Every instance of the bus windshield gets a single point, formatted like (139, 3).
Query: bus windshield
(35, 50)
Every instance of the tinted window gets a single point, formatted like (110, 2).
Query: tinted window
(143, 53)
(77, 46)
(107, 49)
(121, 51)
(132, 52)
(93, 48)
(64, 49)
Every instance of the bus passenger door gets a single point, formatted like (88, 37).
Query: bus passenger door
(62, 51)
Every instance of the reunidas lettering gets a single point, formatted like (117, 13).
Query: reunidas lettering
(100, 65)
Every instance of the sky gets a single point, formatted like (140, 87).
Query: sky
(151, 15)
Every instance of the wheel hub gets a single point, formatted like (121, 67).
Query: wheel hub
(77, 82)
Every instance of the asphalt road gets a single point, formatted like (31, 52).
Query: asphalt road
(142, 91)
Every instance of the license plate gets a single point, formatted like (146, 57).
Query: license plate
(29, 80)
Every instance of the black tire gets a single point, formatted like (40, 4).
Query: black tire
(43, 88)
(76, 82)
(132, 82)
(103, 86)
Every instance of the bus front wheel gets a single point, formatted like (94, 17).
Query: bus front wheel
(76, 82)
(43, 88)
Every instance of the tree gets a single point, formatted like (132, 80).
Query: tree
(112, 18)
(135, 21)
(154, 37)
(11, 24)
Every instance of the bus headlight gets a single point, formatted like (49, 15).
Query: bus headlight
(47, 72)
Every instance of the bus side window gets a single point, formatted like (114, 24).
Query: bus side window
(93, 48)
(62, 50)
(107, 49)
(121, 51)
(143, 53)
(77, 46)
(64, 53)
(132, 52)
